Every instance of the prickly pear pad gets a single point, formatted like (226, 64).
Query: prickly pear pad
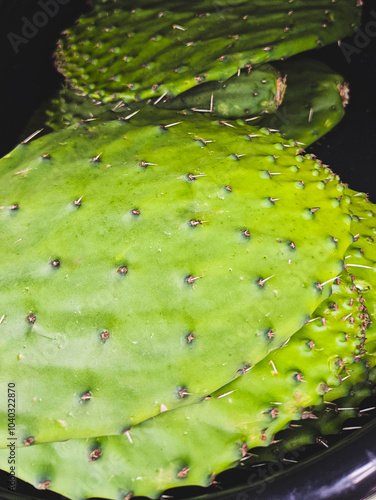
(146, 263)
(190, 445)
(245, 94)
(169, 47)
(314, 101)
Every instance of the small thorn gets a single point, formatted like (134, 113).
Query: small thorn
(183, 392)
(274, 372)
(31, 136)
(190, 337)
(122, 270)
(105, 334)
(322, 442)
(160, 98)
(194, 222)
(165, 127)
(97, 158)
(146, 164)
(128, 434)
(226, 394)
(31, 318)
(29, 441)
(262, 281)
(192, 177)
(191, 279)
(95, 455)
(183, 473)
(130, 116)
(44, 485)
(227, 124)
(78, 203)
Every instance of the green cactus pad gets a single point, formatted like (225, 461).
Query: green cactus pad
(319, 424)
(247, 93)
(305, 114)
(190, 445)
(164, 49)
(314, 102)
(152, 239)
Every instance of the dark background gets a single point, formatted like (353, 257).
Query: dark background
(28, 77)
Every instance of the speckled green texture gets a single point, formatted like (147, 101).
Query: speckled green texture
(190, 445)
(159, 48)
(249, 227)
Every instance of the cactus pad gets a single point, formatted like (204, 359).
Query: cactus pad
(153, 50)
(314, 102)
(190, 445)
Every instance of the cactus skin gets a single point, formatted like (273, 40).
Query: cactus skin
(245, 94)
(314, 101)
(287, 202)
(319, 423)
(135, 54)
(191, 444)
(326, 95)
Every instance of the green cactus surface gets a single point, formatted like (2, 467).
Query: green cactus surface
(297, 110)
(150, 262)
(190, 445)
(118, 51)
(247, 93)
(314, 102)
(127, 238)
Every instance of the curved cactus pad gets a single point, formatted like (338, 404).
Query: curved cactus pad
(146, 263)
(167, 48)
(247, 93)
(314, 102)
(190, 445)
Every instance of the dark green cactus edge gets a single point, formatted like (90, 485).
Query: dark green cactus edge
(117, 51)
(314, 102)
(233, 420)
(305, 114)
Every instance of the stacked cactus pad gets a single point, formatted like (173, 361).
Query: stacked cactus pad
(179, 280)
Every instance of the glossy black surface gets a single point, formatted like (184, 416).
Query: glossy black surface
(27, 76)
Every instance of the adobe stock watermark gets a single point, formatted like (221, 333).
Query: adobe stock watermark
(30, 27)
(361, 39)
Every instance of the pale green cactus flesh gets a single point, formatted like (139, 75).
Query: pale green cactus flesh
(157, 49)
(161, 233)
